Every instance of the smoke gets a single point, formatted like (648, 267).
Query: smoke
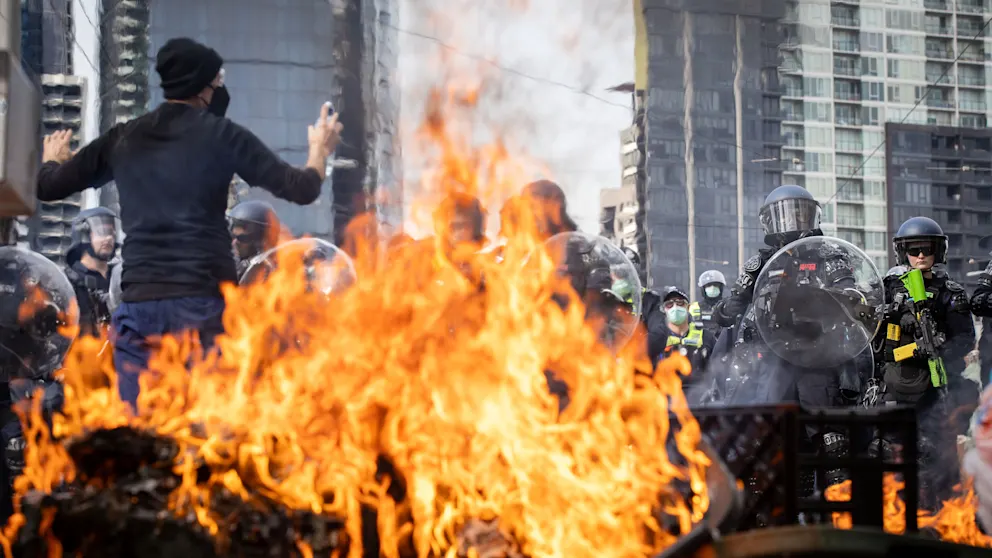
(540, 70)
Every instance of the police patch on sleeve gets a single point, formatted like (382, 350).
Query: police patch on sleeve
(753, 264)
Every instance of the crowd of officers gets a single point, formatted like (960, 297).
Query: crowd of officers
(717, 332)
(732, 364)
(179, 239)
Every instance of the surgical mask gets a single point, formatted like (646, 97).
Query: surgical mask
(677, 315)
(219, 101)
(713, 291)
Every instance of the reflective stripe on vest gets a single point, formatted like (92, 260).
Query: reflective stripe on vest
(694, 311)
(693, 338)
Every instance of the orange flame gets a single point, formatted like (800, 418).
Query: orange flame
(416, 363)
(955, 522)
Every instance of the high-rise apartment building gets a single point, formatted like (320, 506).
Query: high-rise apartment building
(851, 66)
(944, 173)
(710, 72)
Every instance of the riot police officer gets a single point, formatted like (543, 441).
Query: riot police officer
(89, 265)
(789, 213)
(920, 350)
(678, 333)
(711, 283)
(36, 305)
(255, 229)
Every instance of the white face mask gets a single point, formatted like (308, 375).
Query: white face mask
(712, 291)
(677, 315)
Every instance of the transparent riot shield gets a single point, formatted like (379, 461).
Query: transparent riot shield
(328, 270)
(38, 312)
(815, 302)
(604, 278)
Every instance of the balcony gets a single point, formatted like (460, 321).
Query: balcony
(845, 70)
(847, 96)
(942, 5)
(793, 141)
(793, 92)
(938, 79)
(972, 55)
(792, 116)
(935, 29)
(943, 54)
(849, 170)
(971, 81)
(847, 46)
(970, 30)
(972, 106)
(847, 120)
(850, 194)
(940, 103)
(970, 8)
(851, 221)
(849, 146)
(845, 21)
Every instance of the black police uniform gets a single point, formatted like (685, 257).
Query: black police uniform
(92, 287)
(788, 214)
(909, 381)
(31, 350)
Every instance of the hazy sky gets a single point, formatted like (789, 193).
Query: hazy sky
(540, 63)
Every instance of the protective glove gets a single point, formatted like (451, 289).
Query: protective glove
(920, 352)
(907, 323)
(733, 307)
(891, 311)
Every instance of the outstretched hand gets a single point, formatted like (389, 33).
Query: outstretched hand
(326, 133)
(57, 148)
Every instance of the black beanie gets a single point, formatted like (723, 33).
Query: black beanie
(186, 67)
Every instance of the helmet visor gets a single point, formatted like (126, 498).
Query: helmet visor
(103, 228)
(792, 215)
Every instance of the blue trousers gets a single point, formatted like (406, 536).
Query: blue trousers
(138, 325)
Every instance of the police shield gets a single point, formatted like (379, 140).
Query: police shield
(38, 315)
(327, 269)
(604, 278)
(814, 302)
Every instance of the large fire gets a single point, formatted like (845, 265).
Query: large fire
(955, 521)
(417, 365)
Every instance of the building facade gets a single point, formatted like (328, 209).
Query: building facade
(47, 48)
(713, 135)
(282, 62)
(849, 68)
(944, 173)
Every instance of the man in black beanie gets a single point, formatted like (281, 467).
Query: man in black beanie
(173, 167)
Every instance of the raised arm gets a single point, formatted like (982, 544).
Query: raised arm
(257, 165)
(63, 174)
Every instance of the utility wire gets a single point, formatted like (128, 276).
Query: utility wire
(926, 94)
(562, 85)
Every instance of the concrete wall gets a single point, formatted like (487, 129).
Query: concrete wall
(279, 67)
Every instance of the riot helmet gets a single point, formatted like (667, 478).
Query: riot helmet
(920, 235)
(94, 232)
(460, 219)
(632, 255)
(254, 228)
(712, 283)
(38, 315)
(789, 213)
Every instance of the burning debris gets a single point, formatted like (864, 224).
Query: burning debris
(119, 505)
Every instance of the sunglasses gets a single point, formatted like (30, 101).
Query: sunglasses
(917, 249)
(243, 238)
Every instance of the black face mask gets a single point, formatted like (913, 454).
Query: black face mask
(219, 101)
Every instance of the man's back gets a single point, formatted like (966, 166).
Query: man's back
(173, 167)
